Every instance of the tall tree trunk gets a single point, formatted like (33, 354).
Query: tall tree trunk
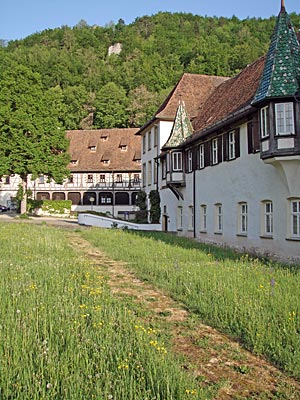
(23, 206)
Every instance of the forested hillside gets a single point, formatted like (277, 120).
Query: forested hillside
(98, 90)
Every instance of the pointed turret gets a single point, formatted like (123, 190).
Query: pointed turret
(281, 75)
(182, 127)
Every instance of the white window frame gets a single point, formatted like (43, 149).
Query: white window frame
(149, 140)
(214, 145)
(119, 178)
(144, 144)
(267, 218)
(177, 161)
(264, 122)
(218, 218)
(243, 218)
(190, 161)
(155, 136)
(179, 218)
(144, 174)
(201, 156)
(231, 145)
(284, 118)
(203, 218)
(295, 218)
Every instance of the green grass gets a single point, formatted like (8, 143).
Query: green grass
(64, 336)
(256, 302)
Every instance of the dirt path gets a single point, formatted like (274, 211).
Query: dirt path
(211, 356)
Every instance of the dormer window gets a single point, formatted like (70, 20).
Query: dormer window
(104, 138)
(74, 162)
(123, 147)
(284, 116)
(106, 162)
(92, 148)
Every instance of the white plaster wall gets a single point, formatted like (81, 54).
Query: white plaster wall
(246, 179)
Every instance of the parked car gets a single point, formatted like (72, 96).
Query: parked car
(4, 208)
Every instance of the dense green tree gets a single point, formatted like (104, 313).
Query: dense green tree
(32, 136)
(111, 105)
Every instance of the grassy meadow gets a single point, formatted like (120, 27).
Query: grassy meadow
(256, 302)
(63, 335)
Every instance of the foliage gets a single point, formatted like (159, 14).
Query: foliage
(156, 50)
(56, 206)
(141, 202)
(32, 137)
(155, 210)
(255, 302)
(64, 335)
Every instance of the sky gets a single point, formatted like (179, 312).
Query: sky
(21, 18)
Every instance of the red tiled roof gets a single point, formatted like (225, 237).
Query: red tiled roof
(89, 160)
(230, 97)
(193, 89)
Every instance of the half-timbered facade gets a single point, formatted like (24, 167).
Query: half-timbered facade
(105, 173)
(234, 177)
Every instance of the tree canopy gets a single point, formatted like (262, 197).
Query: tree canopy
(156, 51)
(32, 135)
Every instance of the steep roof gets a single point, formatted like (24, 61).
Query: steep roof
(91, 148)
(182, 127)
(193, 89)
(281, 75)
(230, 98)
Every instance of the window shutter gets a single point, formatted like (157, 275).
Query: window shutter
(220, 149)
(255, 133)
(207, 154)
(250, 137)
(237, 143)
(195, 158)
(226, 146)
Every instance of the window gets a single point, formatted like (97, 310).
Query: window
(191, 218)
(177, 161)
(149, 140)
(284, 114)
(105, 198)
(123, 147)
(92, 148)
(179, 218)
(119, 178)
(103, 138)
(295, 218)
(201, 156)
(214, 145)
(144, 174)
(231, 145)
(90, 179)
(155, 136)
(41, 180)
(155, 171)
(163, 168)
(218, 218)
(264, 116)
(267, 218)
(243, 218)
(102, 178)
(71, 179)
(105, 162)
(190, 160)
(144, 144)
(149, 172)
(203, 217)
(136, 178)
(7, 180)
(74, 162)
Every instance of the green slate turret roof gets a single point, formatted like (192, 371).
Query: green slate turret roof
(182, 127)
(281, 75)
